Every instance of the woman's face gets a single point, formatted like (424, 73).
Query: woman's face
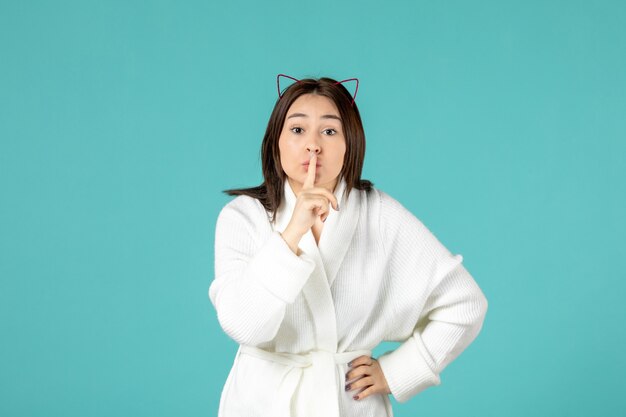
(312, 123)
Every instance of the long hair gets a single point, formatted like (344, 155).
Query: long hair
(270, 192)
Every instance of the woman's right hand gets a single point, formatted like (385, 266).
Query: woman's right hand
(312, 203)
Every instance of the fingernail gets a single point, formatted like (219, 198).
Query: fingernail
(350, 364)
(347, 387)
(356, 397)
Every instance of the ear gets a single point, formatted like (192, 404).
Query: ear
(278, 82)
(355, 90)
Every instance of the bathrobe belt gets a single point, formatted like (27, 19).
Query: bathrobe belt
(319, 367)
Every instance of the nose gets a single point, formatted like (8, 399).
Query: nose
(313, 146)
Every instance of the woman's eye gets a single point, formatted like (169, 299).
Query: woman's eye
(330, 132)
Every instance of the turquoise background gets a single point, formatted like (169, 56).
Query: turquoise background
(500, 124)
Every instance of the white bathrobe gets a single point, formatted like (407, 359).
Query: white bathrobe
(378, 274)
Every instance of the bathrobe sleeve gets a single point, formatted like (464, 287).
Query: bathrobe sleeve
(255, 277)
(433, 288)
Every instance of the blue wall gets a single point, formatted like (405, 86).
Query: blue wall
(500, 124)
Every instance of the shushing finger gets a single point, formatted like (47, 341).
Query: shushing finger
(310, 179)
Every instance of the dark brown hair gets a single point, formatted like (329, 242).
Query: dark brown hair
(270, 192)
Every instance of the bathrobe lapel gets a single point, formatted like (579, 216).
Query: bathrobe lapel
(335, 239)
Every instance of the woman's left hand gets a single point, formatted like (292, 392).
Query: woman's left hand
(366, 375)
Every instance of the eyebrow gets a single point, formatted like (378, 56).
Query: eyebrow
(326, 116)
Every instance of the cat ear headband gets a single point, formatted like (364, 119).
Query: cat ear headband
(338, 82)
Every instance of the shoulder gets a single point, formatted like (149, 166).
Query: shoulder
(384, 199)
(409, 242)
(243, 209)
(377, 197)
(389, 209)
(398, 224)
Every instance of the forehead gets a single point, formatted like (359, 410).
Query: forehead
(313, 105)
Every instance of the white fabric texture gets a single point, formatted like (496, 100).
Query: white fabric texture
(378, 274)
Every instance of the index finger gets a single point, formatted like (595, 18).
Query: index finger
(310, 177)
(361, 360)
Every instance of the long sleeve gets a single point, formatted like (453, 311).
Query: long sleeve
(254, 282)
(445, 306)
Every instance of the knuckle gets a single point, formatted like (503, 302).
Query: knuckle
(364, 394)
(363, 368)
(363, 383)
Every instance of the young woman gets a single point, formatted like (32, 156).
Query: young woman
(315, 267)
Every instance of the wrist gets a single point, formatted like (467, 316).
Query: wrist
(292, 240)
